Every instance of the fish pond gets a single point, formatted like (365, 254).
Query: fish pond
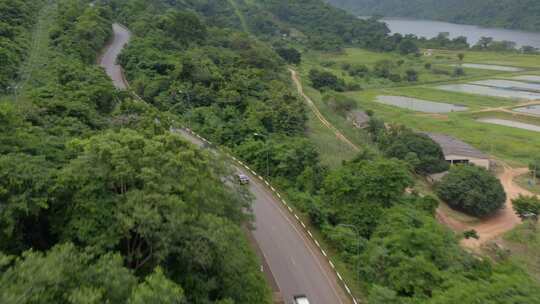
(489, 67)
(529, 78)
(420, 105)
(511, 123)
(534, 109)
(490, 91)
(510, 84)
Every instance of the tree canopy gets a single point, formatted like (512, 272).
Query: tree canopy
(473, 190)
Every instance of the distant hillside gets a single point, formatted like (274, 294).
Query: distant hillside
(513, 14)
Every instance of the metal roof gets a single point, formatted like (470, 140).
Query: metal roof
(359, 117)
(453, 146)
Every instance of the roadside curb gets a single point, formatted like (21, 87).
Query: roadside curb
(285, 204)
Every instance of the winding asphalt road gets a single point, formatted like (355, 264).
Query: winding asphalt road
(296, 264)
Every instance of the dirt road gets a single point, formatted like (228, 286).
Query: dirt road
(322, 119)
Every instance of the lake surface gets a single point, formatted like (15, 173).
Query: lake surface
(511, 123)
(492, 67)
(430, 29)
(490, 91)
(509, 84)
(420, 105)
(530, 78)
(535, 110)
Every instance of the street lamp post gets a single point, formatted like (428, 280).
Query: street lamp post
(267, 152)
(357, 246)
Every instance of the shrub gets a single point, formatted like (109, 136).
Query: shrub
(534, 166)
(440, 72)
(412, 75)
(472, 190)
(358, 71)
(527, 207)
(394, 78)
(419, 150)
(458, 71)
(291, 55)
(340, 104)
(323, 79)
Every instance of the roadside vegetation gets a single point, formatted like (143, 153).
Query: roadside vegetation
(101, 203)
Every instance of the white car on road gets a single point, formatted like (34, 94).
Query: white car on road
(301, 300)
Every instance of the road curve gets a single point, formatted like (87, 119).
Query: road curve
(297, 265)
(108, 58)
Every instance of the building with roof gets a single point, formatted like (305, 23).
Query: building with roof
(458, 152)
(359, 119)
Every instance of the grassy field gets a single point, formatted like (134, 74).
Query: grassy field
(32, 71)
(333, 151)
(440, 61)
(525, 181)
(497, 58)
(513, 145)
(524, 244)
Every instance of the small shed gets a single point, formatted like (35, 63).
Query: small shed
(358, 118)
(458, 152)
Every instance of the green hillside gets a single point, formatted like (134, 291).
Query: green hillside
(521, 14)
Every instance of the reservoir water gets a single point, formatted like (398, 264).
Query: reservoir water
(430, 29)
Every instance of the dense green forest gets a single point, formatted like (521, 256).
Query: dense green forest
(16, 22)
(100, 203)
(521, 14)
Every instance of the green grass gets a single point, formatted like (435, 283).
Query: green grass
(525, 181)
(511, 144)
(332, 151)
(240, 16)
(33, 70)
(524, 245)
(533, 120)
(496, 58)
(333, 62)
